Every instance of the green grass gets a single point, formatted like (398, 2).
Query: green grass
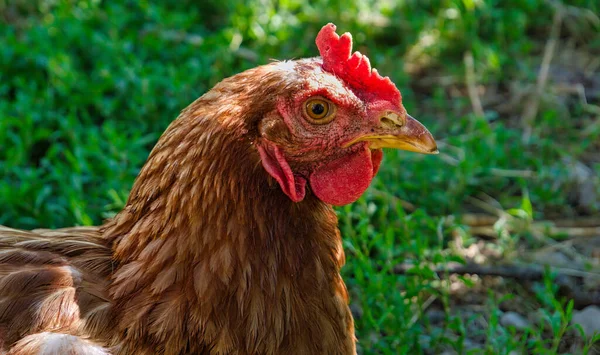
(87, 87)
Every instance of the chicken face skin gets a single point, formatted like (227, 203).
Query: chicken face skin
(337, 158)
(329, 131)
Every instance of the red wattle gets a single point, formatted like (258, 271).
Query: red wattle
(376, 157)
(343, 180)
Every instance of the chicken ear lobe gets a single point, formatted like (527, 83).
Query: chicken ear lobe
(275, 164)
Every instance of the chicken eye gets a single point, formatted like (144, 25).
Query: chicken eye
(319, 110)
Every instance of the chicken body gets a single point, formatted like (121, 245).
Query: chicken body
(207, 256)
(228, 243)
(54, 284)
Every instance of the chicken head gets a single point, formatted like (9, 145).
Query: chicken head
(329, 130)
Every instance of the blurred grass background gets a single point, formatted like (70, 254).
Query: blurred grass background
(510, 89)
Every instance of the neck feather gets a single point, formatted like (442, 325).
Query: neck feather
(206, 228)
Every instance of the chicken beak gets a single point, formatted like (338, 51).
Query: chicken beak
(404, 134)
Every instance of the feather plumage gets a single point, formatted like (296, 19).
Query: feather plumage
(221, 247)
(208, 256)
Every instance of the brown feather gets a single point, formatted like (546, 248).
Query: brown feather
(53, 281)
(208, 255)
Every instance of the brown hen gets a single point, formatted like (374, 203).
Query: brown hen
(228, 243)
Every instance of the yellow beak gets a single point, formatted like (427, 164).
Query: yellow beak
(408, 135)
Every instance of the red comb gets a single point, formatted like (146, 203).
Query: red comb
(354, 69)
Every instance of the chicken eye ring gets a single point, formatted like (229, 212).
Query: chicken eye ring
(319, 110)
